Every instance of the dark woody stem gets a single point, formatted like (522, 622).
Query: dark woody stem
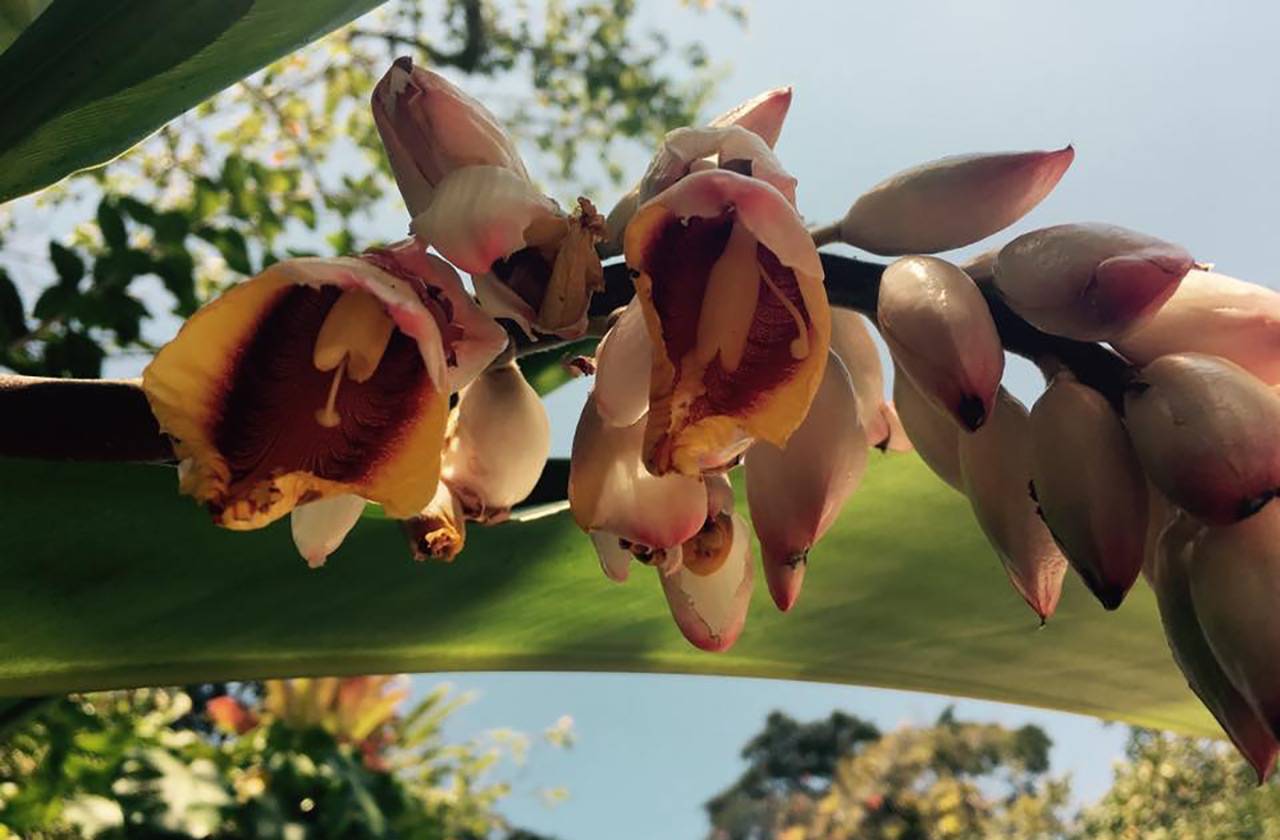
(109, 420)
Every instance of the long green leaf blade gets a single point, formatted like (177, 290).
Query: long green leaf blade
(89, 78)
(108, 578)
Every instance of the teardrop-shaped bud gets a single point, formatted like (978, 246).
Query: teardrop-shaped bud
(952, 202)
(1207, 434)
(897, 440)
(981, 267)
(439, 531)
(610, 489)
(1090, 282)
(796, 492)
(1235, 585)
(430, 128)
(623, 361)
(496, 444)
(1090, 487)
(731, 287)
(710, 591)
(1170, 580)
(933, 434)
(1215, 314)
(996, 464)
(320, 527)
(762, 115)
(851, 340)
(615, 558)
(941, 335)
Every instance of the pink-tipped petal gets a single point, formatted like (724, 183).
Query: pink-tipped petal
(762, 115)
(995, 462)
(1090, 282)
(497, 443)
(320, 527)
(851, 340)
(933, 433)
(796, 492)
(952, 202)
(1090, 487)
(1215, 314)
(686, 151)
(481, 214)
(940, 333)
(1171, 582)
(897, 440)
(709, 593)
(1206, 434)
(610, 490)
(623, 361)
(1235, 586)
(429, 128)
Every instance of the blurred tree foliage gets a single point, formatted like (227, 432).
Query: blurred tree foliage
(288, 161)
(293, 759)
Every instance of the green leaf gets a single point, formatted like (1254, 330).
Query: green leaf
(114, 580)
(13, 319)
(89, 78)
(111, 223)
(67, 263)
(546, 372)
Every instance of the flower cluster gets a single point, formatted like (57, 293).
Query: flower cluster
(323, 383)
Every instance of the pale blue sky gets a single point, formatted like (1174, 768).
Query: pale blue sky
(1174, 115)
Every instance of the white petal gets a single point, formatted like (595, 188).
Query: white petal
(501, 301)
(615, 561)
(933, 433)
(480, 214)
(1089, 282)
(1206, 434)
(719, 495)
(796, 493)
(320, 527)
(1215, 314)
(623, 363)
(941, 335)
(851, 340)
(711, 610)
(610, 490)
(762, 115)
(684, 148)
(497, 444)
(951, 202)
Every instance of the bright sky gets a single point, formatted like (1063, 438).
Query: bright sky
(1173, 112)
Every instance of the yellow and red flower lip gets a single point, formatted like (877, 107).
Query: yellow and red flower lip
(267, 412)
(731, 287)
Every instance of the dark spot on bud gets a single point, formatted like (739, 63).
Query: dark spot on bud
(971, 412)
(1248, 507)
(796, 560)
(632, 273)
(1031, 491)
(1136, 387)
(405, 63)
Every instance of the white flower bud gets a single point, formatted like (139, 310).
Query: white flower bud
(952, 202)
(933, 434)
(941, 335)
(710, 591)
(851, 340)
(1090, 487)
(996, 464)
(1207, 434)
(1214, 314)
(1090, 282)
(320, 527)
(795, 493)
(624, 361)
(762, 115)
(497, 443)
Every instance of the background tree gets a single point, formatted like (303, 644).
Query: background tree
(298, 758)
(288, 162)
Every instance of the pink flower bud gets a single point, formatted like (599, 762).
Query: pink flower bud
(1088, 281)
(1235, 586)
(951, 202)
(1206, 433)
(1214, 314)
(996, 464)
(496, 444)
(796, 492)
(610, 489)
(1090, 487)
(933, 434)
(851, 340)
(623, 361)
(710, 591)
(430, 128)
(762, 115)
(941, 335)
(1171, 582)
(320, 527)
(439, 530)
